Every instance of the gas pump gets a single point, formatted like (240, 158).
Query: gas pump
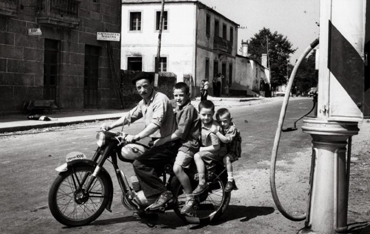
(343, 101)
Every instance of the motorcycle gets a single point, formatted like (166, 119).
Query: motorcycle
(84, 188)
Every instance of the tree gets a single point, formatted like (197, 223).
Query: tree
(278, 48)
(306, 76)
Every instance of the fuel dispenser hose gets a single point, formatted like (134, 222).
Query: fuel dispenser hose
(278, 134)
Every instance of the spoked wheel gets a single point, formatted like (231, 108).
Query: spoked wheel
(209, 205)
(69, 201)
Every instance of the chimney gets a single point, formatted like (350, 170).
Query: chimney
(264, 60)
(245, 48)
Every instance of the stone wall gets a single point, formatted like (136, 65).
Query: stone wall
(22, 55)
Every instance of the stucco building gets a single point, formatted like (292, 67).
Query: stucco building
(49, 51)
(252, 78)
(197, 41)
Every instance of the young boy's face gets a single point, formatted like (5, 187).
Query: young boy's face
(224, 121)
(206, 115)
(180, 97)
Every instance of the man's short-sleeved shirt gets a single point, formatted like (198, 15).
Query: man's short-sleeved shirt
(157, 110)
(188, 126)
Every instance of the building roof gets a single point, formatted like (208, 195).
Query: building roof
(178, 1)
(249, 58)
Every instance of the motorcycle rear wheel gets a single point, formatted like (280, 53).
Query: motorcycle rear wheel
(71, 204)
(211, 205)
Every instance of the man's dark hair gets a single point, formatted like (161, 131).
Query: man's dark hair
(183, 86)
(206, 104)
(222, 112)
(143, 75)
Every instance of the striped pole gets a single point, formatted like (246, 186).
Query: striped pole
(340, 107)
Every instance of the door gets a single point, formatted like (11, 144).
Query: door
(91, 76)
(51, 60)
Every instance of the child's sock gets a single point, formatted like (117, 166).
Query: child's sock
(230, 176)
(202, 178)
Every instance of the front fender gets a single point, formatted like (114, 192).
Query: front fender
(87, 162)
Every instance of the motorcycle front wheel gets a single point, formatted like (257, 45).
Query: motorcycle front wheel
(210, 205)
(71, 203)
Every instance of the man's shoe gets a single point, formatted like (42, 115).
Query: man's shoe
(189, 204)
(230, 185)
(201, 188)
(161, 201)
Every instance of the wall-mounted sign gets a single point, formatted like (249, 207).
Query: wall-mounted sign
(34, 32)
(108, 36)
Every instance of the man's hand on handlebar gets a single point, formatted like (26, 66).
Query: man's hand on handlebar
(132, 138)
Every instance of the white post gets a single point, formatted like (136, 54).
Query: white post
(333, 128)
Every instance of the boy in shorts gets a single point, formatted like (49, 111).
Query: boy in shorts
(188, 128)
(210, 149)
(227, 136)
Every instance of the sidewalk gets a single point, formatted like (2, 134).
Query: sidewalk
(19, 122)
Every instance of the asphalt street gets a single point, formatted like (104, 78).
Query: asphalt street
(28, 160)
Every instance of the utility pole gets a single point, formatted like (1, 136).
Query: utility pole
(157, 63)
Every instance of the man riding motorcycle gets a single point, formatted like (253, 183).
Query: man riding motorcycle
(157, 111)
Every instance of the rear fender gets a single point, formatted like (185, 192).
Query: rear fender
(92, 164)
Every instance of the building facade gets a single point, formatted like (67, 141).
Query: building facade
(49, 51)
(197, 42)
(252, 78)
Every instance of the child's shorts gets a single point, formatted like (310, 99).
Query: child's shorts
(208, 157)
(183, 159)
(232, 156)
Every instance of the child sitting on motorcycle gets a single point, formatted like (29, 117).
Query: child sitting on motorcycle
(210, 149)
(227, 135)
(187, 131)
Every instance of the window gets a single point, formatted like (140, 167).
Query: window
(208, 25)
(162, 64)
(224, 33)
(134, 63)
(206, 75)
(135, 21)
(217, 28)
(231, 35)
(165, 21)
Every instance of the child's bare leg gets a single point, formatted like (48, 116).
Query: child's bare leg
(183, 178)
(202, 186)
(230, 185)
(229, 168)
(200, 168)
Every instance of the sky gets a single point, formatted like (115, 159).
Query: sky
(295, 19)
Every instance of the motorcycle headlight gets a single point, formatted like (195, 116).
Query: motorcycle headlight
(100, 139)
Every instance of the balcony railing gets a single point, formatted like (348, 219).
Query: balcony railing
(59, 12)
(222, 44)
(9, 7)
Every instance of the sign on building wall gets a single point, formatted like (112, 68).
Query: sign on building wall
(34, 32)
(108, 36)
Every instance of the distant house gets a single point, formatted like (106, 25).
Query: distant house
(197, 41)
(251, 78)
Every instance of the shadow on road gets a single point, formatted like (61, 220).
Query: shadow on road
(171, 221)
(244, 213)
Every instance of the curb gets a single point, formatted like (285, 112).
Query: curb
(51, 124)
(21, 126)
